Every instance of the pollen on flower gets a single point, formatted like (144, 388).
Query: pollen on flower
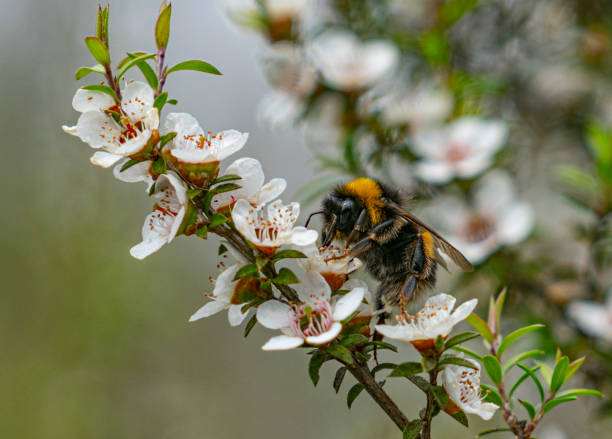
(311, 320)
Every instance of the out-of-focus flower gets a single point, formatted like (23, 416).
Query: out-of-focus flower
(322, 129)
(463, 149)
(277, 17)
(348, 64)
(333, 263)
(595, 319)
(275, 229)
(437, 318)
(315, 321)
(229, 294)
(293, 77)
(496, 218)
(128, 130)
(252, 185)
(166, 220)
(462, 384)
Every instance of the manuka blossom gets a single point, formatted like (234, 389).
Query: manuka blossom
(462, 149)
(269, 232)
(462, 384)
(595, 319)
(229, 294)
(191, 145)
(331, 262)
(134, 174)
(252, 185)
(436, 319)
(314, 321)
(166, 220)
(126, 130)
(495, 218)
(348, 64)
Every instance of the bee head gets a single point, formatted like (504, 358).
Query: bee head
(340, 214)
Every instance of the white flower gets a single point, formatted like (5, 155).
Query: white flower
(269, 232)
(164, 223)
(126, 138)
(332, 263)
(349, 64)
(496, 218)
(462, 149)
(282, 9)
(252, 185)
(595, 319)
(435, 319)
(315, 321)
(191, 145)
(462, 384)
(224, 296)
(134, 174)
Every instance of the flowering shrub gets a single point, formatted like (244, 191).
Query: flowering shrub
(282, 279)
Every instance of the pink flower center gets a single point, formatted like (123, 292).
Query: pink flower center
(311, 320)
(479, 227)
(457, 152)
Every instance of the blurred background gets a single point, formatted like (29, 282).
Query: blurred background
(96, 344)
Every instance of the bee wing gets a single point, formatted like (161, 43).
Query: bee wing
(439, 242)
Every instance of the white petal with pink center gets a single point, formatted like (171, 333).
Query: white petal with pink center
(315, 321)
(162, 225)
(252, 185)
(595, 319)
(274, 229)
(117, 139)
(437, 318)
(192, 145)
(347, 63)
(462, 149)
(463, 387)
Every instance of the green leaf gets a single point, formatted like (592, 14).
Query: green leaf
(480, 326)
(493, 430)
(314, 366)
(573, 367)
(580, 392)
(467, 352)
(159, 166)
(461, 418)
(131, 63)
(556, 401)
(514, 336)
(227, 177)
(216, 220)
(428, 363)
(222, 249)
(439, 343)
(102, 24)
(349, 318)
(285, 277)
(249, 270)
(458, 361)
(383, 366)
(420, 382)
(353, 339)
(499, 306)
(196, 65)
(192, 193)
(172, 101)
(534, 377)
(353, 393)
(340, 352)
(101, 88)
(160, 101)
(382, 345)
(202, 232)
(521, 379)
(546, 372)
(407, 369)
(250, 325)
(166, 138)
(460, 338)
(340, 373)
(440, 396)
(493, 368)
(513, 361)
(577, 179)
(261, 261)
(413, 429)
(286, 254)
(84, 71)
(435, 47)
(559, 373)
(491, 395)
(451, 11)
(128, 164)
(162, 27)
(531, 411)
(98, 50)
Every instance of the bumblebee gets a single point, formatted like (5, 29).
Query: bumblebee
(399, 250)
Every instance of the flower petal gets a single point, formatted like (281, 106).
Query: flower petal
(515, 223)
(235, 316)
(437, 172)
(302, 236)
(270, 191)
(282, 343)
(464, 310)
(137, 100)
(224, 284)
(274, 314)
(148, 246)
(348, 304)
(133, 174)
(89, 100)
(98, 130)
(232, 141)
(399, 332)
(104, 159)
(327, 336)
(252, 180)
(208, 310)
(70, 130)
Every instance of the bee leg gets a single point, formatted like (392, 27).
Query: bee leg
(374, 235)
(358, 228)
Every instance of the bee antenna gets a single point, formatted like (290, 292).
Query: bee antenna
(311, 215)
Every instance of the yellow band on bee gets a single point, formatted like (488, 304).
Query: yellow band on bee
(369, 193)
(428, 245)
